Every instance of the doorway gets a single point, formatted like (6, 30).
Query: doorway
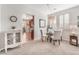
(28, 28)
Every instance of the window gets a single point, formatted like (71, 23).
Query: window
(66, 20)
(63, 20)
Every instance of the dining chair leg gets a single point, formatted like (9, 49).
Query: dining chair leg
(53, 42)
(59, 42)
(50, 40)
(47, 39)
(61, 38)
(42, 39)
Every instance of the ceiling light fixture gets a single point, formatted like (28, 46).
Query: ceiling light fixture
(50, 8)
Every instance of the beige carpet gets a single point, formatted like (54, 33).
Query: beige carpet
(43, 48)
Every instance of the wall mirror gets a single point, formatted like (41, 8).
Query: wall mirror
(42, 23)
(13, 18)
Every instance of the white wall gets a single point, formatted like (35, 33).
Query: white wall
(37, 29)
(18, 11)
(73, 13)
(0, 18)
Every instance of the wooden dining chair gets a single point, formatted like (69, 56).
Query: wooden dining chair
(43, 35)
(56, 37)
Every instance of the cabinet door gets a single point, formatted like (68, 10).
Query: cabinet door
(2, 39)
(17, 37)
(10, 38)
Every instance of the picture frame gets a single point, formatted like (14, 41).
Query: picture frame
(42, 23)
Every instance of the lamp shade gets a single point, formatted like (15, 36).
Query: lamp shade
(73, 29)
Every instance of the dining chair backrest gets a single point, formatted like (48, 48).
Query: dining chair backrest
(57, 34)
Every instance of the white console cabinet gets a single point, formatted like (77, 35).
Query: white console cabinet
(12, 39)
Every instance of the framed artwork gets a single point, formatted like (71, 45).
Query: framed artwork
(42, 23)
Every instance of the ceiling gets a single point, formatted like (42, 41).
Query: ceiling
(44, 9)
(49, 8)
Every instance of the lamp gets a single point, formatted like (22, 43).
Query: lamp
(73, 29)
